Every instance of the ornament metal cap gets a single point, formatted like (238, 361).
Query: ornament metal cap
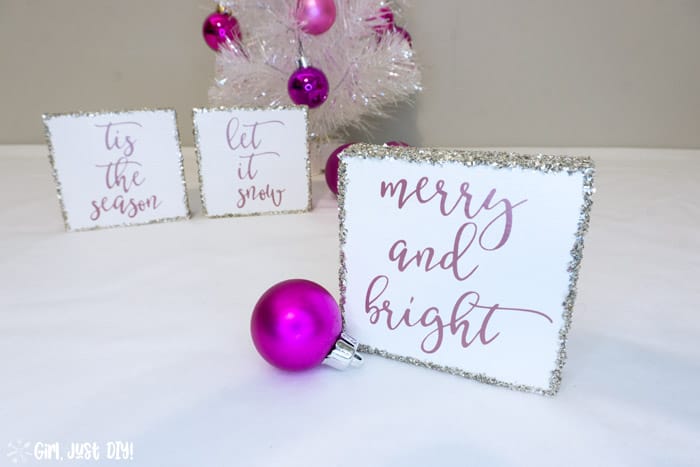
(344, 354)
(302, 62)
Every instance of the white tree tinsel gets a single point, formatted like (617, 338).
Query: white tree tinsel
(366, 74)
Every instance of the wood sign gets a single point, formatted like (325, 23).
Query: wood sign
(117, 168)
(464, 262)
(253, 161)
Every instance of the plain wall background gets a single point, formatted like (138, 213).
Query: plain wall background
(496, 72)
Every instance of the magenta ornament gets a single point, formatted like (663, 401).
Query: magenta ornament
(220, 28)
(384, 21)
(386, 14)
(384, 24)
(296, 325)
(406, 36)
(332, 168)
(308, 86)
(315, 16)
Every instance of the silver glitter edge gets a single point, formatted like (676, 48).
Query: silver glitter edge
(499, 160)
(195, 131)
(59, 187)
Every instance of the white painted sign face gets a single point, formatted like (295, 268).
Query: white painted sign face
(253, 161)
(465, 262)
(117, 168)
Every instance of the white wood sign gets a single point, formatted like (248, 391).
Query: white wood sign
(253, 161)
(464, 262)
(117, 168)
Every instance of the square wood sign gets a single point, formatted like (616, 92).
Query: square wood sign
(461, 261)
(253, 161)
(117, 168)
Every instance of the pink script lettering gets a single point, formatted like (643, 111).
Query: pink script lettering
(465, 321)
(423, 194)
(488, 226)
(122, 174)
(113, 139)
(246, 138)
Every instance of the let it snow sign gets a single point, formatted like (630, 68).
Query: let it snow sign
(117, 168)
(464, 262)
(253, 161)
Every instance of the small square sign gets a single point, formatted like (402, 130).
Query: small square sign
(253, 161)
(117, 168)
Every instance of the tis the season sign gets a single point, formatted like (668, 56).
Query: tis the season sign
(117, 169)
(253, 161)
(465, 262)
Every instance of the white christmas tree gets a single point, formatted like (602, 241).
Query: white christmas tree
(357, 45)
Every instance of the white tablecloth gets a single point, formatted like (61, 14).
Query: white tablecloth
(141, 335)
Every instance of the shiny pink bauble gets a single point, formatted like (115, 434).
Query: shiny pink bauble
(384, 21)
(220, 28)
(308, 86)
(332, 168)
(295, 325)
(406, 36)
(315, 16)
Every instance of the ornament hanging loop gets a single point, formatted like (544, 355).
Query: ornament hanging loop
(302, 61)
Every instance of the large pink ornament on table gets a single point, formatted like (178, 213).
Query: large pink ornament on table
(315, 16)
(296, 325)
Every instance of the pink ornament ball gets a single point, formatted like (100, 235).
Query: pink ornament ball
(308, 86)
(315, 16)
(220, 28)
(386, 14)
(384, 21)
(406, 36)
(332, 168)
(295, 325)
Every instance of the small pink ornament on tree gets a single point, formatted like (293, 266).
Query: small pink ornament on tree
(221, 28)
(315, 16)
(308, 86)
(383, 24)
(383, 21)
(403, 33)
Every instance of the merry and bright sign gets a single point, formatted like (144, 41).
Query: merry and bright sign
(465, 262)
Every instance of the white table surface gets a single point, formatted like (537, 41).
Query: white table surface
(141, 335)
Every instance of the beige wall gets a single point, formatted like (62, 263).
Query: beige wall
(496, 72)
